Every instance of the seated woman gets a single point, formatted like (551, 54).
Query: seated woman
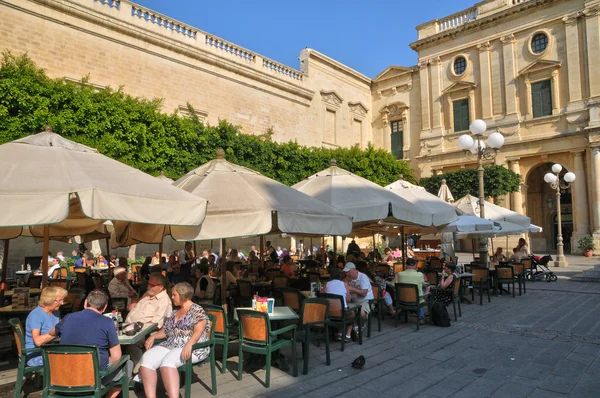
(187, 326)
(444, 292)
(205, 289)
(41, 320)
(397, 253)
(388, 257)
(230, 274)
(409, 252)
(286, 268)
(499, 256)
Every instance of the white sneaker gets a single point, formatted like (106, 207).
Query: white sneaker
(137, 378)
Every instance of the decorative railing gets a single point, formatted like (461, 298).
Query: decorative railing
(110, 3)
(230, 48)
(458, 19)
(516, 2)
(162, 21)
(281, 69)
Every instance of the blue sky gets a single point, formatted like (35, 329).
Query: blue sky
(367, 35)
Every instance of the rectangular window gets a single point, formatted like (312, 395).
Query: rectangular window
(541, 98)
(461, 114)
(397, 139)
(330, 133)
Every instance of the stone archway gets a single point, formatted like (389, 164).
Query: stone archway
(541, 208)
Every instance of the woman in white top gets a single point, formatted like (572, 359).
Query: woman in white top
(522, 249)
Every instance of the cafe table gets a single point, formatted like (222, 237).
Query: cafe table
(32, 291)
(145, 331)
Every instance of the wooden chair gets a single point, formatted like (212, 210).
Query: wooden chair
(435, 264)
(481, 281)
(64, 283)
(89, 263)
(217, 295)
(22, 352)
(382, 270)
(257, 337)
(529, 269)
(505, 274)
(118, 303)
(433, 277)
(98, 282)
(455, 291)
(244, 293)
(313, 326)
(220, 331)
(292, 298)
(60, 362)
(376, 304)
(76, 300)
(408, 298)
(35, 281)
(313, 277)
(340, 317)
(520, 276)
(279, 282)
(272, 272)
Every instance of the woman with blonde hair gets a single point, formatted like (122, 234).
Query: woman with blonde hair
(187, 326)
(41, 320)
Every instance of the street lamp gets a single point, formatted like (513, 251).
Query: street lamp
(476, 148)
(554, 180)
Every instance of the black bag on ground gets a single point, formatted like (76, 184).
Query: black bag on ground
(439, 315)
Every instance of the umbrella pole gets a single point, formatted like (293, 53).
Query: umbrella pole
(107, 240)
(335, 245)
(45, 248)
(195, 252)
(160, 247)
(374, 243)
(404, 251)
(261, 250)
(223, 279)
(4, 267)
(311, 246)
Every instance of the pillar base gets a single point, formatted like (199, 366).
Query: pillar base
(561, 262)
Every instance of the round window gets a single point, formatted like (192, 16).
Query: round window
(460, 66)
(539, 43)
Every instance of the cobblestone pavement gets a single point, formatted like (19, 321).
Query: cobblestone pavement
(545, 343)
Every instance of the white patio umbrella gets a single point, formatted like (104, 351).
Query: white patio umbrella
(469, 223)
(470, 205)
(366, 202)
(444, 193)
(54, 187)
(506, 229)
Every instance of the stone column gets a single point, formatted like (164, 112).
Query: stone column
(573, 57)
(580, 201)
(595, 194)
(510, 84)
(486, 79)
(592, 27)
(425, 108)
(528, 100)
(516, 200)
(436, 96)
(555, 94)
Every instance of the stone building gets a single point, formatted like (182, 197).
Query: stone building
(526, 67)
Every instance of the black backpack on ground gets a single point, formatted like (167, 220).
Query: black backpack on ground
(439, 315)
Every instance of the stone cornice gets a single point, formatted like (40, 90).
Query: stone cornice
(77, 10)
(338, 66)
(477, 24)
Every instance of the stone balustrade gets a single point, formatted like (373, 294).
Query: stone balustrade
(457, 19)
(282, 69)
(162, 21)
(230, 49)
(110, 3)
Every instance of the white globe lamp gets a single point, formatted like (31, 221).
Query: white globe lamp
(496, 140)
(465, 142)
(550, 178)
(478, 127)
(569, 177)
(557, 168)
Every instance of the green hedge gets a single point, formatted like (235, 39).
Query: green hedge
(136, 131)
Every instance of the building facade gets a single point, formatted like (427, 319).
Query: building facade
(530, 68)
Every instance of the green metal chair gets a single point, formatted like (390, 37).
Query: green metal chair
(454, 291)
(481, 281)
(376, 308)
(408, 298)
(22, 353)
(313, 326)
(74, 370)
(220, 331)
(187, 366)
(340, 317)
(257, 337)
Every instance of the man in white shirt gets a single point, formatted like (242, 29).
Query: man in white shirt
(187, 258)
(359, 287)
(154, 307)
(55, 265)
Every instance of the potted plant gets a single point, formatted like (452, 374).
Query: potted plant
(587, 245)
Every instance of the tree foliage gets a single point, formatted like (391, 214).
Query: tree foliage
(498, 181)
(135, 131)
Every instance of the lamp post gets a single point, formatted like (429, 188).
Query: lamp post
(476, 148)
(553, 179)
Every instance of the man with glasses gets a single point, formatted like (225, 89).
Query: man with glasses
(154, 307)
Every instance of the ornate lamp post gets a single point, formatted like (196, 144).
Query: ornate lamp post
(554, 180)
(476, 149)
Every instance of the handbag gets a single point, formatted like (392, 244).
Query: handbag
(133, 328)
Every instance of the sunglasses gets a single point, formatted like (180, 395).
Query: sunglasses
(154, 284)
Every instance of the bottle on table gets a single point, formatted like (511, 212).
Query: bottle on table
(28, 267)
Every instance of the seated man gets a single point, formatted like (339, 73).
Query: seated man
(54, 265)
(174, 273)
(119, 286)
(205, 288)
(413, 277)
(90, 327)
(154, 307)
(359, 287)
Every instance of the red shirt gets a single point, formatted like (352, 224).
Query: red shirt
(287, 270)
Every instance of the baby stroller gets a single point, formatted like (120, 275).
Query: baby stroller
(542, 270)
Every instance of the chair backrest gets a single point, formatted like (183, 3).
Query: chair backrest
(64, 283)
(313, 277)
(435, 263)
(382, 269)
(505, 272)
(519, 268)
(19, 334)
(120, 303)
(59, 362)
(89, 263)
(217, 295)
(292, 298)
(336, 304)
(527, 263)
(456, 286)
(377, 293)
(212, 320)
(244, 288)
(35, 281)
(81, 279)
(220, 325)
(78, 302)
(398, 267)
(280, 281)
(314, 310)
(407, 293)
(98, 282)
(254, 327)
(421, 264)
(72, 269)
(432, 277)
(271, 272)
(480, 274)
